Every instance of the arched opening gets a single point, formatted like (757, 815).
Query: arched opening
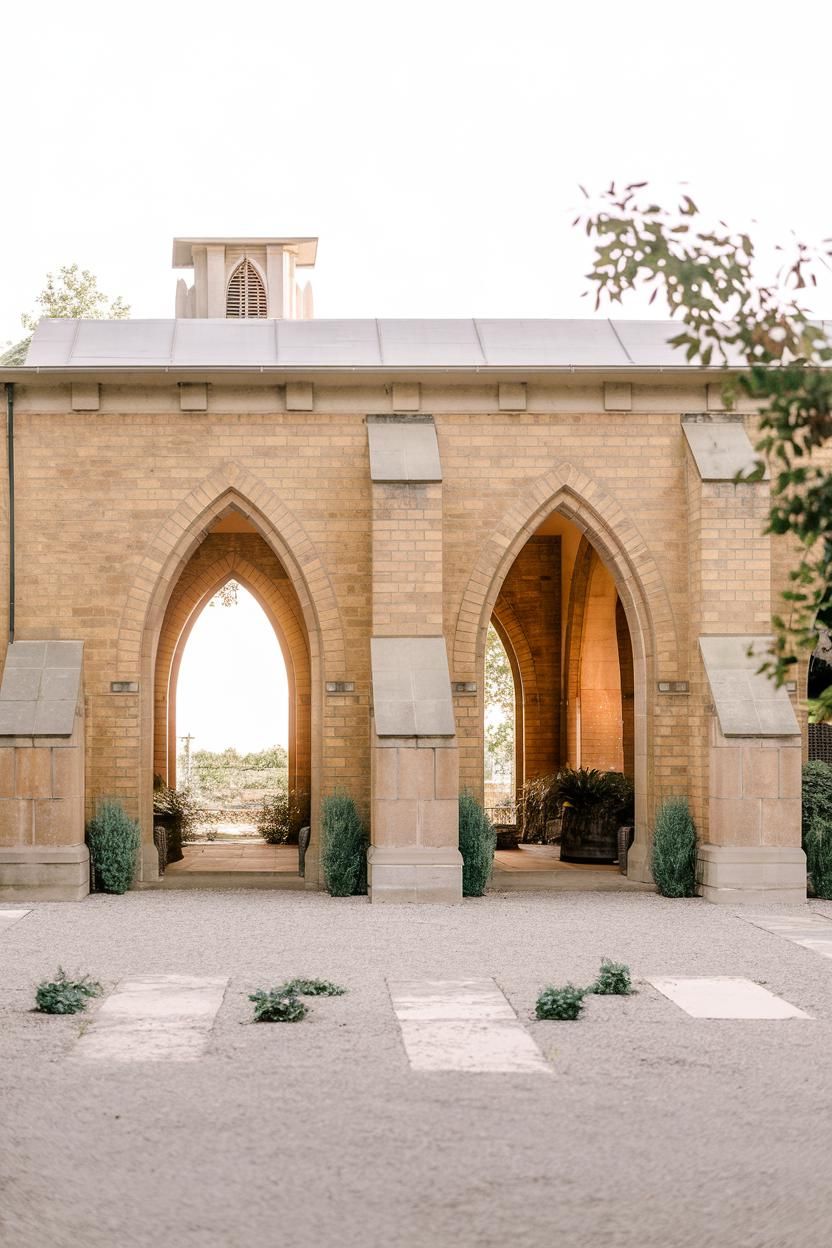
(258, 775)
(503, 710)
(246, 293)
(566, 628)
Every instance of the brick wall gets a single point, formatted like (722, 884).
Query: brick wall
(109, 506)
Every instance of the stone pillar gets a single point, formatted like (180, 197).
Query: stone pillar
(279, 282)
(415, 812)
(43, 854)
(200, 286)
(414, 854)
(753, 851)
(215, 280)
(749, 764)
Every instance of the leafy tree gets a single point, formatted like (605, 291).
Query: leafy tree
(227, 596)
(69, 293)
(731, 318)
(499, 698)
(225, 775)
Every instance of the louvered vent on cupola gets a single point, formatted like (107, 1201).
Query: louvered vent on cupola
(246, 292)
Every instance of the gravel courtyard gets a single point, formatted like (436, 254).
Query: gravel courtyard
(655, 1128)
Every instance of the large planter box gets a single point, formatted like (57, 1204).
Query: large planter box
(508, 837)
(589, 837)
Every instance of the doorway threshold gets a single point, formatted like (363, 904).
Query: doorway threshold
(248, 864)
(229, 879)
(539, 866)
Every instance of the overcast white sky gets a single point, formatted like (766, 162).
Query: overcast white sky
(232, 682)
(436, 148)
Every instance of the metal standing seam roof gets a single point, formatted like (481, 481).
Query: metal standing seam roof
(442, 345)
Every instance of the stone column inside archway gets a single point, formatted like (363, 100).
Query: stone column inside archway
(414, 854)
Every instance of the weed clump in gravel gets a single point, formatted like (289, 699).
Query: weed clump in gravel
(277, 1006)
(63, 995)
(613, 980)
(561, 1004)
(674, 849)
(313, 988)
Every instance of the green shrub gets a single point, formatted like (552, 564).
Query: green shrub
(114, 842)
(312, 988)
(585, 789)
(621, 797)
(613, 979)
(817, 826)
(562, 1004)
(277, 1006)
(538, 804)
(181, 806)
(477, 841)
(63, 995)
(281, 818)
(344, 856)
(674, 849)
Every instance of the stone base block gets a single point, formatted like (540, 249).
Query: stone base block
(751, 875)
(430, 874)
(149, 863)
(638, 863)
(45, 873)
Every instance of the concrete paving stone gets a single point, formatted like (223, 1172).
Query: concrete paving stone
(809, 931)
(463, 1025)
(8, 917)
(155, 1018)
(724, 997)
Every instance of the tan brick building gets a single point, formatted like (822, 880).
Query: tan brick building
(385, 489)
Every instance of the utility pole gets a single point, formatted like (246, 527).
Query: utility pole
(187, 751)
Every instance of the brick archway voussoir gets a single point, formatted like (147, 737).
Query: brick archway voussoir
(603, 521)
(182, 531)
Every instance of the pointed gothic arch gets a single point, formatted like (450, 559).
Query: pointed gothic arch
(168, 552)
(644, 598)
(200, 581)
(245, 294)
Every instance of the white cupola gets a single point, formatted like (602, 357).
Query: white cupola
(244, 277)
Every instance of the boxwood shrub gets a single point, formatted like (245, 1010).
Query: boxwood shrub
(114, 840)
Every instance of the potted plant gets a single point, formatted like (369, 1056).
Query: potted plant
(593, 805)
